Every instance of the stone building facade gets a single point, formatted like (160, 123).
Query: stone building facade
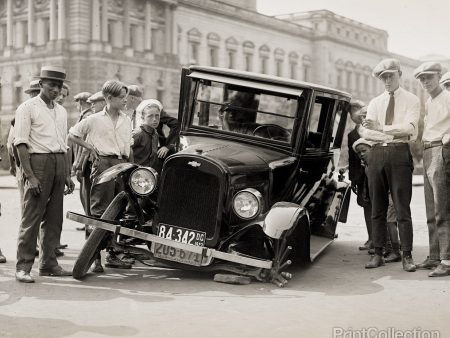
(145, 42)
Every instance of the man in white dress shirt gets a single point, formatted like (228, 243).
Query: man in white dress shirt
(394, 113)
(436, 164)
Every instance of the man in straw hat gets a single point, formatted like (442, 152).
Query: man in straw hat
(445, 81)
(40, 137)
(436, 164)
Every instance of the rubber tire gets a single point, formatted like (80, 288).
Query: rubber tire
(92, 244)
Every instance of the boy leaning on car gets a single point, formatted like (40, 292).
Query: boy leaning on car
(108, 136)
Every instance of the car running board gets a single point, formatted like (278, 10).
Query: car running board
(317, 245)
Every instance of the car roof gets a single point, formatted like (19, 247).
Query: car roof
(268, 79)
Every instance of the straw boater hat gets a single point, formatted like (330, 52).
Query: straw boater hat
(53, 73)
(34, 87)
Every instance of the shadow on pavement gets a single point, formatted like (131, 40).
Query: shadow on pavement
(26, 327)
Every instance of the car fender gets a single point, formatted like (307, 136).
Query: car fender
(283, 216)
(111, 173)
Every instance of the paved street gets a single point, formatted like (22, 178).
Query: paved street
(334, 292)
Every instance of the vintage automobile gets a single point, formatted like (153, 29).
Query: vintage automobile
(253, 186)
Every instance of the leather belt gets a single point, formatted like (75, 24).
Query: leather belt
(431, 144)
(117, 157)
(391, 144)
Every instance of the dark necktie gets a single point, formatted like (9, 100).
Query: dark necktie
(390, 110)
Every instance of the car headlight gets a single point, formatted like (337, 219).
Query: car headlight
(247, 203)
(143, 180)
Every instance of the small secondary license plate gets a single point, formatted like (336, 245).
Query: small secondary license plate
(177, 255)
(182, 235)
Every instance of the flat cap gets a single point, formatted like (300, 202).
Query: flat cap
(34, 87)
(428, 68)
(386, 66)
(445, 78)
(96, 97)
(135, 90)
(83, 96)
(361, 141)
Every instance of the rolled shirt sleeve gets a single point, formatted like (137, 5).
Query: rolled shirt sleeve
(80, 129)
(22, 126)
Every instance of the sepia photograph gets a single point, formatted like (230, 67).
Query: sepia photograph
(224, 168)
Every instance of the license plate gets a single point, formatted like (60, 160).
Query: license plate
(181, 235)
(177, 255)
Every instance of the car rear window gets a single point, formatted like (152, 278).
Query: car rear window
(243, 110)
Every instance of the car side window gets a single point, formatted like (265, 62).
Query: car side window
(323, 107)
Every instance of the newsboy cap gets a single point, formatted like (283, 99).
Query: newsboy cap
(53, 73)
(83, 96)
(135, 90)
(386, 66)
(34, 87)
(445, 78)
(96, 97)
(428, 68)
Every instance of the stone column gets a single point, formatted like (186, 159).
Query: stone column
(9, 23)
(126, 24)
(61, 19)
(20, 36)
(174, 31)
(168, 29)
(95, 21)
(53, 21)
(148, 27)
(31, 26)
(105, 21)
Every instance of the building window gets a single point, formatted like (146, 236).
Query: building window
(356, 36)
(213, 55)
(306, 67)
(213, 40)
(231, 61)
(194, 39)
(263, 65)
(248, 49)
(279, 60)
(293, 63)
(231, 45)
(338, 30)
(248, 62)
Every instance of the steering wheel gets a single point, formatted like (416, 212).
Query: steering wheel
(273, 132)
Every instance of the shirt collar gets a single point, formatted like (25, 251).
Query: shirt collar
(45, 104)
(396, 92)
(148, 129)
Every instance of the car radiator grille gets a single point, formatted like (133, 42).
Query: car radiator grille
(189, 199)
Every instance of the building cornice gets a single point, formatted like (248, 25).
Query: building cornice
(248, 16)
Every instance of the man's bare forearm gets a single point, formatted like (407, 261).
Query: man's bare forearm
(24, 158)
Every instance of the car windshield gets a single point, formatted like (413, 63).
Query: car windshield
(245, 111)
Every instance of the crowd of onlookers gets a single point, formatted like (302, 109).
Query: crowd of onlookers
(44, 157)
(381, 166)
(45, 154)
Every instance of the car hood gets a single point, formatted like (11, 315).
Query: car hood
(236, 157)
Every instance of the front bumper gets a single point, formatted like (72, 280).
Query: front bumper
(205, 252)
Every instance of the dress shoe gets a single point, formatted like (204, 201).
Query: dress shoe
(62, 246)
(428, 263)
(375, 262)
(58, 253)
(2, 258)
(393, 256)
(24, 277)
(55, 272)
(80, 228)
(440, 271)
(112, 261)
(408, 264)
(366, 246)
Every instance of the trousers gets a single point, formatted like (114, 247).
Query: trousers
(437, 202)
(390, 170)
(43, 213)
